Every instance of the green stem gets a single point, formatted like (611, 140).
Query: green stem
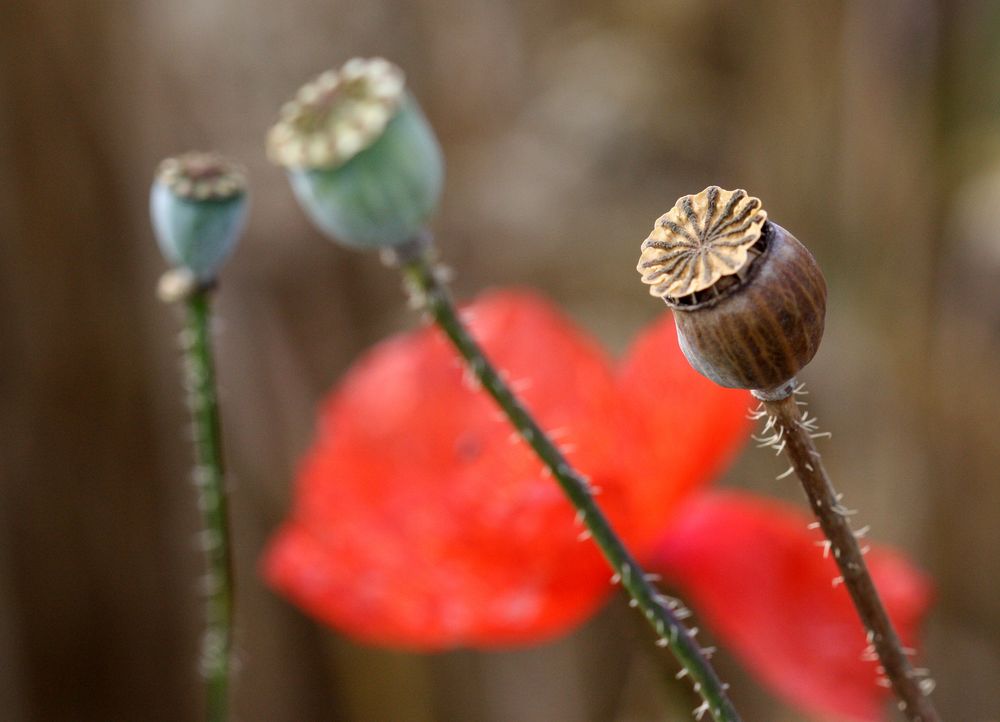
(210, 480)
(433, 295)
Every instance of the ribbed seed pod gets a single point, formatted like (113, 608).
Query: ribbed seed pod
(198, 205)
(749, 300)
(361, 157)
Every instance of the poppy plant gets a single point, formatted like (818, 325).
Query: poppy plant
(421, 522)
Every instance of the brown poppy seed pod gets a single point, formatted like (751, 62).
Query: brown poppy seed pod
(748, 299)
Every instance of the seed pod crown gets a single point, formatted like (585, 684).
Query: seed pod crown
(197, 176)
(700, 240)
(337, 115)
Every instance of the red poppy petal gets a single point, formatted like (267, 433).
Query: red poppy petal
(757, 576)
(683, 429)
(419, 520)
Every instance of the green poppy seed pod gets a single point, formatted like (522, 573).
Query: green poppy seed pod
(748, 299)
(198, 206)
(361, 157)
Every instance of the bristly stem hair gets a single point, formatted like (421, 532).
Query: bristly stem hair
(793, 434)
(210, 480)
(430, 293)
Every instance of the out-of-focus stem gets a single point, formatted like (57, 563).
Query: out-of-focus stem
(209, 478)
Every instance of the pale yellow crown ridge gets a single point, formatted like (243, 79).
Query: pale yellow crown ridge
(701, 239)
(337, 114)
(202, 176)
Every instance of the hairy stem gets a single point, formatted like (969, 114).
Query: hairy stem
(833, 519)
(431, 293)
(209, 478)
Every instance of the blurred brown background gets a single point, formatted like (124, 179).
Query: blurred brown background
(871, 130)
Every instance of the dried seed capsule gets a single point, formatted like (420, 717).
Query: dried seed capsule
(362, 159)
(749, 300)
(198, 205)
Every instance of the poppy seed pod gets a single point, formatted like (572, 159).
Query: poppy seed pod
(748, 299)
(198, 205)
(362, 159)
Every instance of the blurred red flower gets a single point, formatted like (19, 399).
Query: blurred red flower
(420, 521)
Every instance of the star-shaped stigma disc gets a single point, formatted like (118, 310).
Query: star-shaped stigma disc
(337, 115)
(701, 239)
